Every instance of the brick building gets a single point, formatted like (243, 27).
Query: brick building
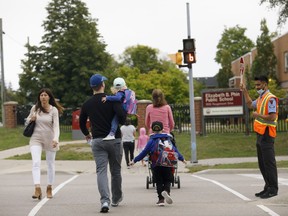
(281, 52)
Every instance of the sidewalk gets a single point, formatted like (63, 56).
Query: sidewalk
(25, 149)
(89, 166)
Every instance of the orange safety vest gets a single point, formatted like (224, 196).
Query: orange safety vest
(262, 108)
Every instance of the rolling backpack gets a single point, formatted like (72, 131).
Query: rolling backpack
(164, 153)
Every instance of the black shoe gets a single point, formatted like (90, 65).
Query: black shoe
(260, 193)
(160, 202)
(268, 194)
(117, 203)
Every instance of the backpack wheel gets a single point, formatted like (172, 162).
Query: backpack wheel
(147, 182)
(178, 181)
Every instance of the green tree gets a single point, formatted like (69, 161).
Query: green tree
(71, 51)
(30, 79)
(283, 9)
(142, 57)
(265, 61)
(231, 46)
(160, 74)
(198, 87)
(273, 88)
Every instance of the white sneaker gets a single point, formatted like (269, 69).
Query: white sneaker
(167, 197)
(104, 207)
(109, 137)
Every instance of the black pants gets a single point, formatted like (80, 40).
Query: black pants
(129, 151)
(266, 160)
(163, 177)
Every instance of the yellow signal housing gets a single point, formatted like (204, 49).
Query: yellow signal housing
(179, 58)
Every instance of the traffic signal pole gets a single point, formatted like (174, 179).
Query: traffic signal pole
(191, 98)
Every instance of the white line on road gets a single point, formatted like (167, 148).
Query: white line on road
(269, 211)
(43, 201)
(224, 187)
(281, 181)
(264, 208)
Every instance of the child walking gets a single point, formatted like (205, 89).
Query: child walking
(142, 141)
(128, 132)
(121, 92)
(163, 174)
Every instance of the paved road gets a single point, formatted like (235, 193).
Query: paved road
(210, 192)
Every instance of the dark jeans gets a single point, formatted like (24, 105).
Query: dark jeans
(129, 151)
(266, 160)
(163, 177)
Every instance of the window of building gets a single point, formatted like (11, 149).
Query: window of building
(286, 61)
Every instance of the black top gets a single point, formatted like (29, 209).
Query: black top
(100, 115)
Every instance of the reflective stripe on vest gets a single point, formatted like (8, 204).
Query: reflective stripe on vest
(262, 108)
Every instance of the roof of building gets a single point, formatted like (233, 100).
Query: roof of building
(209, 82)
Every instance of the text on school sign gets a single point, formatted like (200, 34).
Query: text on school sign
(223, 102)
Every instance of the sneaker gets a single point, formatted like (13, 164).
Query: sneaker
(160, 202)
(260, 193)
(167, 197)
(115, 204)
(109, 137)
(104, 207)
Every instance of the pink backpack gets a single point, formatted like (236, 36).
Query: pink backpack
(130, 102)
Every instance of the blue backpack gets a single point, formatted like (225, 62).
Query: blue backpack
(130, 102)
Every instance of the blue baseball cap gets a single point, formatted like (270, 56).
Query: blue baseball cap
(96, 80)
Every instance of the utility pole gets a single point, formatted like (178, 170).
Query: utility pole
(2, 74)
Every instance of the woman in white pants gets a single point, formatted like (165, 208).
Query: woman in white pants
(45, 137)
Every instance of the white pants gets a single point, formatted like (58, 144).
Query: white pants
(36, 164)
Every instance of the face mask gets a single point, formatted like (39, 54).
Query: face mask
(260, 91)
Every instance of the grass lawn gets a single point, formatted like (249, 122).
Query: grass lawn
(13, 137)
(227, 145)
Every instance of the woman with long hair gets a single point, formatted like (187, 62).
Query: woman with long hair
(45, 137)
(159, 110)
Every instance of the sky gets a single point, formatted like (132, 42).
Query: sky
(159, 24)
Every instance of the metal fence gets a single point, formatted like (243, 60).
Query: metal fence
(65, 118)
(181, 115)
(226, 124)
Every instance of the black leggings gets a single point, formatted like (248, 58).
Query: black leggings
(129, 150)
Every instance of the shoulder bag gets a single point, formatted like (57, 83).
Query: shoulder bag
(28, 131)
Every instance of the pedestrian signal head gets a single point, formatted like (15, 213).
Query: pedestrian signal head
(189, 57)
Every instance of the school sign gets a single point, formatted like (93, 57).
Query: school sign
(222, 102)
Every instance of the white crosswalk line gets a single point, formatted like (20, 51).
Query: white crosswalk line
(281, 181)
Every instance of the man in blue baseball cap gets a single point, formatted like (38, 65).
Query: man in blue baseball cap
(96, 80)
(100, 115)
